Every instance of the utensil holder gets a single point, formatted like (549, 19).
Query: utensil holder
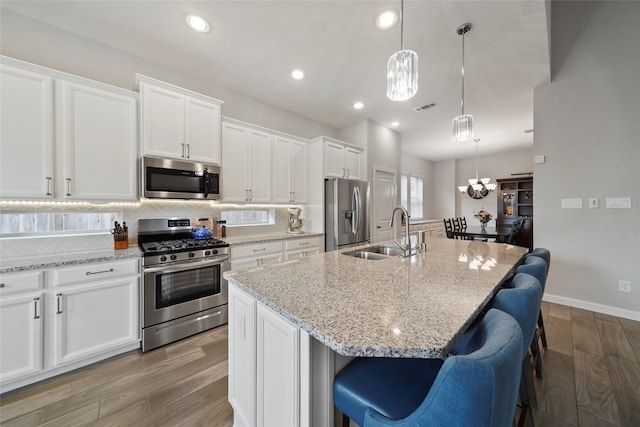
(120, 240)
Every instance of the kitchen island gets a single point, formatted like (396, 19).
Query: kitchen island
(293, 325)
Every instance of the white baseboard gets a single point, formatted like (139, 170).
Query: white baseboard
(599, 308)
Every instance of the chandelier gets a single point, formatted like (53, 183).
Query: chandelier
(463, 124)
(477, 188)
(402, 69)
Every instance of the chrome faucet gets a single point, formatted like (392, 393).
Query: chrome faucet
(406, 248)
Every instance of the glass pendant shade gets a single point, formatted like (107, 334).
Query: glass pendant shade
(402, 75)
(463, 128)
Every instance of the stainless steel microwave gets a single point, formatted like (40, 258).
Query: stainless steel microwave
(177, 179)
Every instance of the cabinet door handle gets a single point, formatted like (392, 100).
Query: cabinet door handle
(246, 195)
(58, 303)
(344, 172)
(250, 194)
(48, 186)
(36, 312)
(183, 150)
(188, 151)
(68, 186)
(1, 285)
(348, 173)
(89, 273)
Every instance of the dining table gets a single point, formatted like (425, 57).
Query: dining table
(501, 234)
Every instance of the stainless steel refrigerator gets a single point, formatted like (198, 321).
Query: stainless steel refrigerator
(346, 216)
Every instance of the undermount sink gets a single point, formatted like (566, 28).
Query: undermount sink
(376, 252)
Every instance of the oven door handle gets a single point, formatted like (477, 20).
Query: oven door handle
(189, 266)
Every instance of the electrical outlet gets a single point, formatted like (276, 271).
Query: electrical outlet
(594, 203)
(624, 286)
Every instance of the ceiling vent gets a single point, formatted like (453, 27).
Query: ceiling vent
(425, 107)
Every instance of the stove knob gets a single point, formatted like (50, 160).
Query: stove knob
(215, 252)
(191, 254)
(163, 258)
(173, 257)
(207, 253)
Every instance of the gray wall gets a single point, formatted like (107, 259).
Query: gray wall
(23, 38)
(587, 122)
(443, 187)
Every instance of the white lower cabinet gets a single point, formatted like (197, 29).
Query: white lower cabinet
(93, 318)
(266, 353)
(301, 248)
(255, 255)
(21, 326)
(65, 318)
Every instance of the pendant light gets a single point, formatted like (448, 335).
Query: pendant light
(463, 124)
(402, 69)
(477, 188)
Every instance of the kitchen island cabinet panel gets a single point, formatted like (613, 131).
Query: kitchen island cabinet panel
(26, 152)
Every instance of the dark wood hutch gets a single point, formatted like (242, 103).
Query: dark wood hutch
(515, 199)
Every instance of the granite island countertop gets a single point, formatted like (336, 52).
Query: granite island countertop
(396, 307)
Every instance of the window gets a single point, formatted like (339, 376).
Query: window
(404, 190)
(53, 222)
(249, 217)
(416, 208)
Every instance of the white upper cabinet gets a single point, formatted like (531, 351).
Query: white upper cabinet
(26, 126)
(247, 159)
(80, 144)
(289, 170)
(341, 160)
(178, 123)
(99, 139)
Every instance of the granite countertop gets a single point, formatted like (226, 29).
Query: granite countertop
(24, 263)
(261, 238)
(396, 307)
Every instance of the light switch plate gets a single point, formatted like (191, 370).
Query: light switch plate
(618, 202)
(571, 203)
(538, 159)
(594, 203)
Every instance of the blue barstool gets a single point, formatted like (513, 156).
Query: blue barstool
(522, 301)
(479, 387)
(537, 267)
(544, 254)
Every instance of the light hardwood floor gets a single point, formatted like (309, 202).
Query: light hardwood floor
(591, 378)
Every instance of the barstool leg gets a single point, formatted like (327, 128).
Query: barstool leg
(542, 333)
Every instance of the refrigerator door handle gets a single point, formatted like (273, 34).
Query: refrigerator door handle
(357, 209)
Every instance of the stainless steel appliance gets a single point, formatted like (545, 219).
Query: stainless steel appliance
(177, 179)
(183, 291)
(346, 213)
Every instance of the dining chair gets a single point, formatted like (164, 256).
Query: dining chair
(448, 227)
(463, 222)
(516, 230)
(456, 224)
(476, 388)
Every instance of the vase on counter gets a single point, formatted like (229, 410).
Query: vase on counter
(483, 227)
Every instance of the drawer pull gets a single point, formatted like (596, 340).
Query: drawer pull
(304, 243)
(89, 273)
(36, 314)
(260, 250)
(58, 303)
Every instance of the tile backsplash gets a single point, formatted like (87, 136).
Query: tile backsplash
(129, 213)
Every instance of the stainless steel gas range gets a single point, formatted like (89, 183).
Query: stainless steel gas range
(183, 291)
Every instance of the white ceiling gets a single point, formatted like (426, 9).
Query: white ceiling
(253, 46)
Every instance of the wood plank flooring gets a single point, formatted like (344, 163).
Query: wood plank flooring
(591, 378)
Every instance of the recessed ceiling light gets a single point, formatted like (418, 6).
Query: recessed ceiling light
(395, 124)
(387, 19)
(197, 23)
(358, 105)
(297, 74)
